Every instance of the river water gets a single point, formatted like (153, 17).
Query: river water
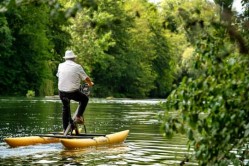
(145, 145)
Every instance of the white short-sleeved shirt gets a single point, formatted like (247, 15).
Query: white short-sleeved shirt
(70, 75)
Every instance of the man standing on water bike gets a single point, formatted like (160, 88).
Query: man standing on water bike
(70, 74)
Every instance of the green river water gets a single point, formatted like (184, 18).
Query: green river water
(144, 145)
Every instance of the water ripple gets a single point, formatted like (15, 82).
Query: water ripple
(145, 144)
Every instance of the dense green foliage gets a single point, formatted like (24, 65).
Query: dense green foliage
(5, 46)
(211, 105)
(29, 54)
(123, 49)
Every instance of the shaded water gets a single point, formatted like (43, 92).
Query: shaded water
(144, 146)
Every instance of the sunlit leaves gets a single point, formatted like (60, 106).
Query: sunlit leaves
(213, 102)
(130, 51)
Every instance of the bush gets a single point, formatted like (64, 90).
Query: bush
(30, 93)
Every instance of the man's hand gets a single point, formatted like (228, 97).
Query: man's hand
(89, 81)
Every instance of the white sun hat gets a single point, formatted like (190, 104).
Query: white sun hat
(69, 55)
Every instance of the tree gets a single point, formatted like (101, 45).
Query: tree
(110, 45)
(37, 42)
(149, 40)
(212, 107)
(6, 41)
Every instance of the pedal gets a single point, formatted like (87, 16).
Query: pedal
(74, 127)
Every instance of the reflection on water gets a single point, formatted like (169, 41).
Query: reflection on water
(144, 145)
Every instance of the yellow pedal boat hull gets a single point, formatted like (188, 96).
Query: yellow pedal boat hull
(115, 138)
(32, 140)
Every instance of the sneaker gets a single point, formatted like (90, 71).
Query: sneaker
(79, 120)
